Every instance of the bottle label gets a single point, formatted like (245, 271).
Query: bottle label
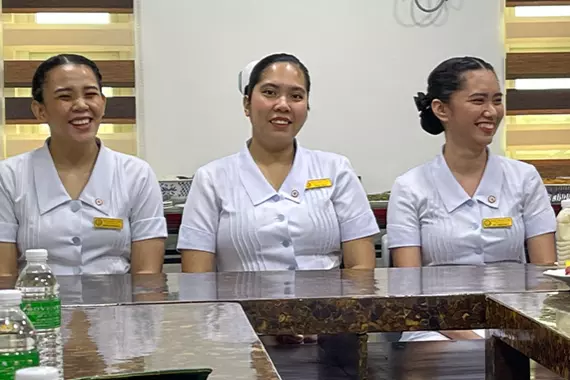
(13, 361)
(44, 314)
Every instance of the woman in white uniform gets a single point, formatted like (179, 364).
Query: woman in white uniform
(468, 206)
(96, 211)
(276, 205)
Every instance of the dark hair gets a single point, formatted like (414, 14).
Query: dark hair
(62, 59)
(447, 78)
(255, 75)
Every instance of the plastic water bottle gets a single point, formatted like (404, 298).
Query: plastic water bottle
(17, 336)
(563, 234)
(41, 303)
(37, 373)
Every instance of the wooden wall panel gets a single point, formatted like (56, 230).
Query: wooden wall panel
(33, 6)
(551, 168)
(516, 32)
(115, 73)
(534, 137)
(538, 102)
(114, 39)
(538, 65)
(120, 110)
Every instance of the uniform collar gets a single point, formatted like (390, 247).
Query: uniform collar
(489, 190)
(453, 195)
(51, 192)
(259, 189)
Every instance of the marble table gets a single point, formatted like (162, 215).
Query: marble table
(145, 338)
(306, 302)
(349, 302)
(523, 326)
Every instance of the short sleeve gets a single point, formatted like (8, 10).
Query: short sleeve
(538, 215)
(403, 225)
(147, 215)
(201, 215)
(351, 205)
(8, 221)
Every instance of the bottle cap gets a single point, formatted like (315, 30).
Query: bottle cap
(36, 254)
(37, 373)
(10, 296)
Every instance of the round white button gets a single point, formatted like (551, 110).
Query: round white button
(470, 203)
(286, 243)
(75, 206)
(475, 226)
(280, 217)
(76, 240)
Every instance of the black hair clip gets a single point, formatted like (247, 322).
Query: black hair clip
(422, 101)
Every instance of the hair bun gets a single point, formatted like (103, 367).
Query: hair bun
(422, 101)
(429, 122)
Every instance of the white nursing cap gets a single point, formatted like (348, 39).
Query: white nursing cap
(244, 76)
(246, 72)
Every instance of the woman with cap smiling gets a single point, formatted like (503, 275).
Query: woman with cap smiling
(95, 210)
(468, 206)
(276, 205)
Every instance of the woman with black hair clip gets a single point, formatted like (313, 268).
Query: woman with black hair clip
(468, 206)
(95, 210)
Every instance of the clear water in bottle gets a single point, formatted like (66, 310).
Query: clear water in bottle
(17, 336)
(37, 373)
(41, 303)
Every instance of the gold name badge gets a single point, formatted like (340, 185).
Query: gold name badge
(318, 183)
(108, 223)
(498, 222)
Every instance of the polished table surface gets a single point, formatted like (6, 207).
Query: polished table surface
(537, 325)
(290, 285)
(146, 338)
(324, 302)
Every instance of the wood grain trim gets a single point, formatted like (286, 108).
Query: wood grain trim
(516, 32)
(538, 65)
(538, 102)
(33, 6)
(120, 110)
(551, 168)
(538, 136)
(115, 73)
(514, 3)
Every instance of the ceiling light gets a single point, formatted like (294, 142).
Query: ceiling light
(543, 11)
(72, 18)
(542, 84)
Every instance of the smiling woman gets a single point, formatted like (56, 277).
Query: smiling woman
(437, 211)
(468, 206)
(276, 205)
(73, 196)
